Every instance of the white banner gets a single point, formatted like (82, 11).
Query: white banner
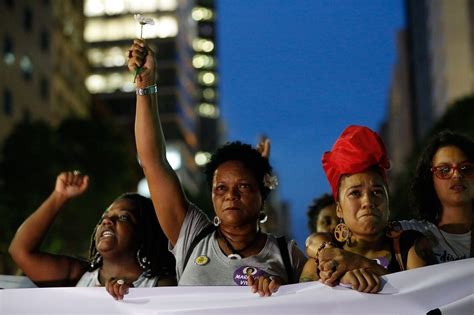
(448, 287)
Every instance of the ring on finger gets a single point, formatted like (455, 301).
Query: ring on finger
(334, 265)
(76, 172)
(120, 282)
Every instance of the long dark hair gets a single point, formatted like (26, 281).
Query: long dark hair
(152, 242)
(423, 194)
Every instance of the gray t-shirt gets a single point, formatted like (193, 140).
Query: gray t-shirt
(208, 265)
(446, 246)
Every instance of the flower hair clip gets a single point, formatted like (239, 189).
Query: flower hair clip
(143, 21)
(269, 181)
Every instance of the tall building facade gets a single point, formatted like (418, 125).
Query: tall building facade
(398, 132)
(435, 68)
(43, 65)
(184, 39)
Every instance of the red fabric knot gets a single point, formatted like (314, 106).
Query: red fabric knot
(356, 150)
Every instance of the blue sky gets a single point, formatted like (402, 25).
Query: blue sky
(300, 72)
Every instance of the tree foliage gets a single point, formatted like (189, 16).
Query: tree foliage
(35, 153)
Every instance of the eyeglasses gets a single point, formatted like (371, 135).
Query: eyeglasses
(446, 171)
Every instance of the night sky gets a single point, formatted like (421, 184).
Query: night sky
(300, 72)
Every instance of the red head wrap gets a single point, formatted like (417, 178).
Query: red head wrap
(357, 149)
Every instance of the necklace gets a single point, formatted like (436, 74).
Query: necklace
(236, 254)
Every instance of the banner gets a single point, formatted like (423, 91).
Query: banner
(446, 288)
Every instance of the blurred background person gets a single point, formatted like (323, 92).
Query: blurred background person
(443, 194)
(322, 215)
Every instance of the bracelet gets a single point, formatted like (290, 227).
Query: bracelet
(152, 89)
(323, 246)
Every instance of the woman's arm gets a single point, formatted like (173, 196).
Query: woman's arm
(166, 193)
(310, 271)
(420, 254)
(43, 268)
(335, 262)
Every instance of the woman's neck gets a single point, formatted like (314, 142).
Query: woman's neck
(124, 268)
(366, 245)
(243, 239)
(456, 220)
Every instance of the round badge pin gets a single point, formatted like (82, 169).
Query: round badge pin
(201, 260)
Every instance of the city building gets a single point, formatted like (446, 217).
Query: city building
(43, 62)
(435, 68)
(184, 39)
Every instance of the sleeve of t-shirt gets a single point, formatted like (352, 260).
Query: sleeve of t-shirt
(194, 221)
(298, 259)
(410, 225)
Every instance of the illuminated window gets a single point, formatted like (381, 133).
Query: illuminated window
(203, 61)
(93, 8)
(108, 57)
(202, 14)
(125, 27)
(8, 56)
(26, 67)
(209, 94)
(95, 56)
(111, 7)
(207, 78)
(173, 155)
(208, 110)
(142, 188)
(115, 57)
(203, 45)
(96, 83)
(110, 83)
(201, 158)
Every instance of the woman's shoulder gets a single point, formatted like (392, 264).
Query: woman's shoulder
(418, 225)
(89, 279)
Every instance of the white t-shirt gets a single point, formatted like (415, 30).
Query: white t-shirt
(91, 279)
(208, 265)
(446, 246)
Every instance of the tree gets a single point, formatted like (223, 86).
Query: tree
(32, 157)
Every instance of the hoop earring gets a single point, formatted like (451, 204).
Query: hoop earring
(342, 232)
(95, 261)
(216, 221)
(262, 217)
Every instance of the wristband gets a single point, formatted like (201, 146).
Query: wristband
(152, 89)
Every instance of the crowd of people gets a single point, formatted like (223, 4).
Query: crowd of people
(166, 240)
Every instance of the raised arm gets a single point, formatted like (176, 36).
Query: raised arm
(166, 193)
(43, 268)
(420, 254)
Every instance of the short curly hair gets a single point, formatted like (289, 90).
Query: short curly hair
(424, 199)
(315, 207)
(245, 153)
